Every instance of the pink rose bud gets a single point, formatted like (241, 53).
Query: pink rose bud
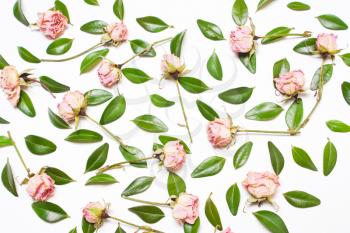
(219, 133)
(327, 43)
(242, 39)
(174, 156)
(227, 230)
(290, 83)
(94, 212)
(172, 66)
(72, 105)
(118, 32)
(108, 73)
(261, 185)
(185, 210)
(10, 84)
(52, 23)
(41, 187)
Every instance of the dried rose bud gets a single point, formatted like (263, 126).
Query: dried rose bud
(327, 43)
(52, 23)
(261, 185)
(185, 208)
(172, 66)
(41, 187)
(94, 212)
(174, 156)
(118, 32)
(72, 105)
(109, 73)
(290, 83)
(219, 132)
(10, 84)
(242, 40)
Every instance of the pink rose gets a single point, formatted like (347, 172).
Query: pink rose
(290, 83)
(73, 104)
(10, 83)
(52, 23)
(41, 187)
(94, 212)
(185, 210)
(172, 66)
(227, 230)
(108, 73)
(242, 40)
(219, 133)
(327, 43)
(174, 156)
(118, 32)
(261, 185)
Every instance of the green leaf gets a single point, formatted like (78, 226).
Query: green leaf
(152, 24)
(132, 154)
(18, 13)
(212, 214)
(135, 75)
(210, 30)
(280, 67)
(263, 3)
(74, 230)
(101, 179)
(94, 3)
(233, 198)
(329, 158)
(114, 110)
(149, 214)
(277, 159)
(160, 101)
(345, 88)
(240, 12)
(332, 22)
(214, 66)
(301, 199)
(176, 185)
(95, 27)
(84, 136)
(164, 139)
(60, 6)
(138, 46)
(327, 75)
(5, 141)
(237, 95)
(294, 114)
(8, 180)
(249, 61)
(25, 105)
(150, 124)
(52, 85)
(3, 121)
(118, 9)
(87, 227)
(92, 59)
(306, 47)
(57, 121)
(97, 96)
(298, 6)
(119, 230)
(60, 177)
(275, 34)
(192, 228)
(176, 43)
(139, 185)
(338, 126)
(97, 158)
(209, 167)
(242, 155)
(193, 85)
(59, 46)
(206, 111)
(264, 112)
(346, 58)
(302, 158)
(3, 62)
(49, 212)
(39, 145)
(271, 221)
(27, 56)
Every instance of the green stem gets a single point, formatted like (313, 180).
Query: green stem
(305, 34)
(146, 228)
(163, 204)
(183, 111)
(19, 154)
(268, 131)
(120, 164)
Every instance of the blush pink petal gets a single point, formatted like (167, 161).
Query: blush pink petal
(108, 74)
(10, 84)
(261, 185)
(117, 31)
(41, 187)
(290, 83)
(186, 208)
(174, 155)
(52, 23)
(327, 43)
(219, 133)
(242, 40)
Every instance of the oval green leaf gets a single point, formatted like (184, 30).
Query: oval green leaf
(327, 75)
(329, 158)
(160, 101)
(271, 221)
(345, 88)
(84, 136)
(176, 43)
(294, 114)
(209, 167)
(95, 27)
(139, 185)
(192, 228)
(114, 110)
(57, 121)
(97, 96)
(39, 145)
(3, 121)
(338, 126)
(49, 212)
(97, 158)
(3, 62)
(132, 154)
(60, 6)
(306, 47)
(118, 9)
(5, 141)
(276, 157)
(346, 58)
(242, 155)
(138, 46)
(210, 30)
(249, 61)
(18, 13)
(275, 34)
(101, 179)
(206, 111)
(152, 24)
(176, 185)
(193, 85)
(280, 67)
(240, 12)
(150, 124)
(60, 177)
(264, 112)
(59, 46)
(302, 158)
(301, 199)
(263, 3)
(135, 75)
(8, 180)
(298, 6)
(237, 95)
(93, 3)
(52, 85)
(92, 59)
(332, 22)
(214, 66)
(27, 56)
(233, 198)
(212, 214)
(149, 214)
(25, 105)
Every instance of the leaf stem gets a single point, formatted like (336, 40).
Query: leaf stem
(147, 228)
(268, 131)
(163, 204)
(120, 164)
(19, 154)
(42, 84)
(305, 34)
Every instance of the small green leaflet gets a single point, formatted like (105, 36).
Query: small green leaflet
(209, 167)
(271, 221)
(8, 180)
(332, 22)
(277, 159)
(49, 212)
(210, 30)
(212, 214)
(233, 198)
(160, 101)
(302, 158)
(176, 185)
(150, 124)
(214, 66)
(242, 154)
(329, 158)
(152, 24)
(139, 185)
(149, 214)
(206, 111)
(101, 179)
(338, 126)
(298, 6)
(301, 199)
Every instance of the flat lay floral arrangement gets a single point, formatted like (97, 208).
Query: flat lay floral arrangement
(75, 115)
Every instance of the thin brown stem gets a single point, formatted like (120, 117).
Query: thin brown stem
(120, 164)
(305, 34)
(162, 204)
(146, 228)
(268, 131)
(19, 154)
(41, 83)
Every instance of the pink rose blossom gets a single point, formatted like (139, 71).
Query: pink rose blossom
(290, 83)
(174, 155)
(52, 23)
(108, 73)
(94, 212)
(261, 185)
(219, 133)
(327, 43)
(10, 83)
(242, 40)
(185, 210)
(73, 104)
(41, 187)
(227, 230)
(118, 32)
(172, 66)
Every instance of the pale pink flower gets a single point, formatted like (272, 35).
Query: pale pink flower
(261, 185)
(185, 210)
(72, 105)
(10, 84)
(174, 155)
(227, 230)
(172, 66)
(118, 32)
(94, 212)
(327, 43)
(242, 39)
(219, 132)
(290, 83)
(108, 73)
(41, 187)
(52, 23)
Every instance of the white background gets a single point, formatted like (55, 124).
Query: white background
(331, 216)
